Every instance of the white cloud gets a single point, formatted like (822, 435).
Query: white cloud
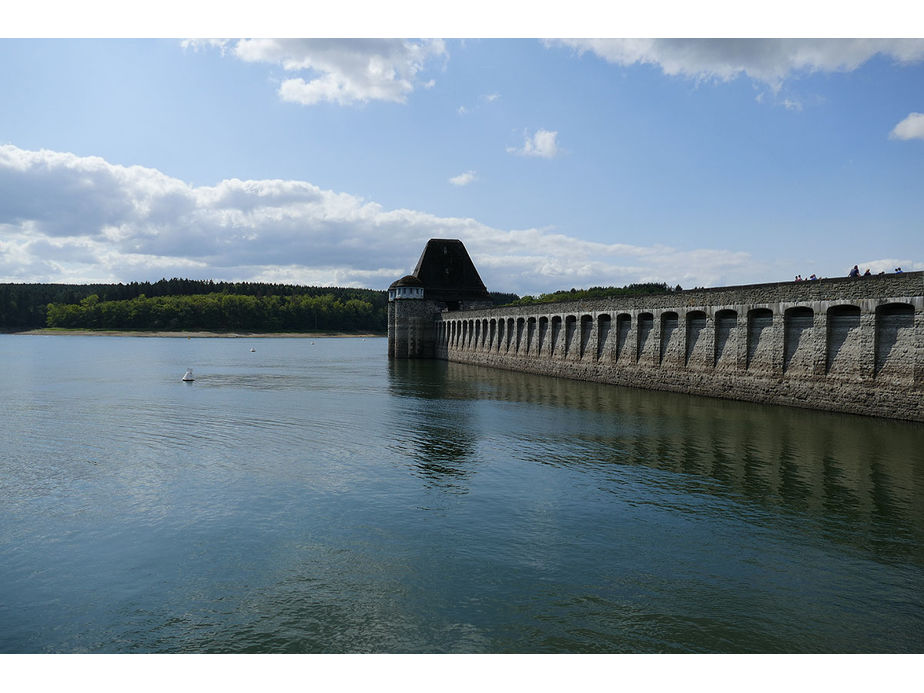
(483, 99)
(463, 178)
(910, 128)
(770, 61)
(97, 221)
(543, 144)
(341, 71)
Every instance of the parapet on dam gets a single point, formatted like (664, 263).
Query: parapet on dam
(846, 345)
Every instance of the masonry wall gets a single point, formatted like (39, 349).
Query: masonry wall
(849, 345)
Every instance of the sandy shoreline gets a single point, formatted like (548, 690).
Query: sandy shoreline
(196, 333)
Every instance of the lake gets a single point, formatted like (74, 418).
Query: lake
(311, 496)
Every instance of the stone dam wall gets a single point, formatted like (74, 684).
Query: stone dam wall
(846, 345)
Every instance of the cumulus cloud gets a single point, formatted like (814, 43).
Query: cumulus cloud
(463, 178)
(543, 144)
(341, 71)
(910, 128)
(65, 218)
(770, 61)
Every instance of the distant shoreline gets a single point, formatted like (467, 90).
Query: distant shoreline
(192, 333)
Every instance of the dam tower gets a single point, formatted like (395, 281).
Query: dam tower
(445, 279)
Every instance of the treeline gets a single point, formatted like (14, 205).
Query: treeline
(27, 306)
(188, 304)
(219, 311)
(598, 292)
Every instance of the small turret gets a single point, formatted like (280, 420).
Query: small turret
(408, 287)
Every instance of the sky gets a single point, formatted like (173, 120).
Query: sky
(559, 163)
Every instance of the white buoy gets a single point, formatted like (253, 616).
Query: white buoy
(252, 349)
(188, 376)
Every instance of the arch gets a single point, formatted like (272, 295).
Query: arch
(603, 334)
(521, 326)
(894, 347)
(797, 332)
(696, 323)
(645, 326)
(623, 327)
(511, 326)
(492, 328)
(669, 322)
(570, 330)
(759, 319)
(530, 334)
(726, 324)
(554, 338)
(842, 355)
(543, 335)
(587, 328)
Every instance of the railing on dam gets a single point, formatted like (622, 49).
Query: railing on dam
(846, 345)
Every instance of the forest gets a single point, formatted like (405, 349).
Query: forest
(186, 304)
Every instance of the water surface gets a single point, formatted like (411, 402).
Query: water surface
(311, 496)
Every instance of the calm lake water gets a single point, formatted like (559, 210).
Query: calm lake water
(311, 496)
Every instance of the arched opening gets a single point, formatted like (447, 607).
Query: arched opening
(696, 323)
(587, 328)
(726, 324)
(645, 326)
(669, 321)
(554, 345)
(843, 351)
(603, 335)
(798, 324)
(570, 329)
(758, 350)
(895, 341)
(623, 327)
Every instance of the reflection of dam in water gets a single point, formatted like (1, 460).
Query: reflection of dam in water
(866, 476)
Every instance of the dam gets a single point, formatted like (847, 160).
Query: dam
(852, 345)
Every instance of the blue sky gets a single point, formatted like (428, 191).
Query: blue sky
(559, 164)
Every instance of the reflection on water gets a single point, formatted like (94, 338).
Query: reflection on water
(860, 479)
(317, 498)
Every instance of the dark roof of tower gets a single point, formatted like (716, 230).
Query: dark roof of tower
(448, 273)
(407, 280)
